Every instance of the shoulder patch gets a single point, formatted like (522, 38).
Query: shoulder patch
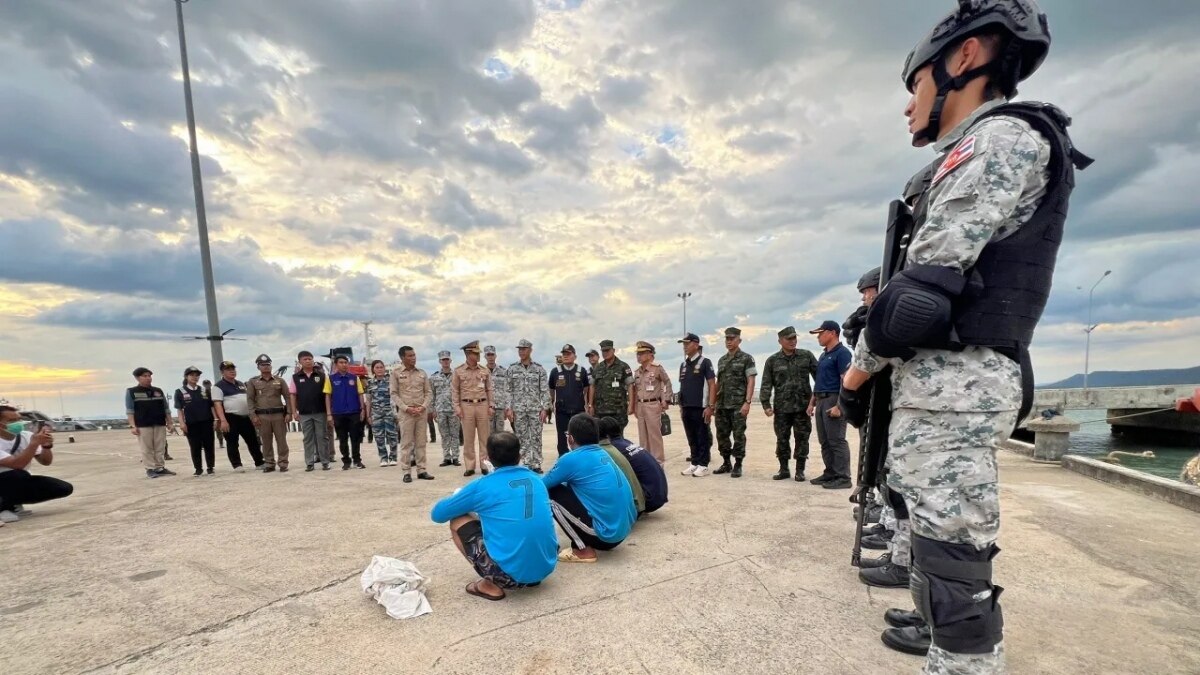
(962, 152)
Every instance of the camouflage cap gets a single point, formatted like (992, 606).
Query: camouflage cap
(606, 344)
(489, 350)
(643, 347)
(262, 358)
(471, 347)
(524, 344)
(733, 331)
(444, 354)
(568, 349)
(788, 332)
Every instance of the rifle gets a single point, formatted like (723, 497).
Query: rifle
(873, 451)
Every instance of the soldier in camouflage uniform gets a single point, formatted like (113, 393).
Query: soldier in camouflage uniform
(383, 415)
(528, 398)
(735, 388)
(443, 411)
(980, 219)
(611, 378)
(788, 374)
(499, 386)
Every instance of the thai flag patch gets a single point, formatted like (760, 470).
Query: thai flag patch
(962, 152)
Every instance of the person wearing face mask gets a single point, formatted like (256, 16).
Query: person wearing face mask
(194, 406)
(18, 448)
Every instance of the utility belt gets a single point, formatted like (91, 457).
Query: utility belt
(649, 400)
(474, 400)
(825, 394)
(269, 411)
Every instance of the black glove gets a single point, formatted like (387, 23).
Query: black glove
(854, 405)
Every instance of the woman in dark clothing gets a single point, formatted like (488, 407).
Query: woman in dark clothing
(195, 408)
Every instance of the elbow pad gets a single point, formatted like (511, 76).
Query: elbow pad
(914, 310)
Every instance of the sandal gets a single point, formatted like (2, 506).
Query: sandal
(473, 589)
(568, 556)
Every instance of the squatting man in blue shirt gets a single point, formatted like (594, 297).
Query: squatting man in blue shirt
(501, 523)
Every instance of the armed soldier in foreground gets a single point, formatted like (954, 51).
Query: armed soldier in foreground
(964, 282)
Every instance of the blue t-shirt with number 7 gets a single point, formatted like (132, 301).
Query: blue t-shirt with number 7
(601, 487)
(514, 510)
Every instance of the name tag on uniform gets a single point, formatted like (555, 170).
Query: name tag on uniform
(616, 384)
(561, 381)
(650, 387)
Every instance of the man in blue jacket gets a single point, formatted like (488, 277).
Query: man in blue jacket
(502, 524)
(590, 498)
(650, 474)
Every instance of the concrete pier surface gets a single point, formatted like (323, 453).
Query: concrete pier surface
(253, 573)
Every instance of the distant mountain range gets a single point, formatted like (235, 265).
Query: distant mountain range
(1129, 378)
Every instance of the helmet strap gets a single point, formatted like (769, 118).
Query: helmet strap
(945, 84)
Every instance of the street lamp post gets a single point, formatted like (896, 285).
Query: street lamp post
(684, 296)
(1087, 349)
(210, 293)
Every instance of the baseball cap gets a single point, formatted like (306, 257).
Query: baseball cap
(827, 325)
(568, 348)
(192, 369)
(227, 365)
(592, 352)
(690, 337)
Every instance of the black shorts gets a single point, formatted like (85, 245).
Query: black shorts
(575, 521)
(471, 535)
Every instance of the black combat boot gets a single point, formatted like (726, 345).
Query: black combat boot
(874, 529)
(868, 563)
(799, 471)
(902, 617)
(725, 466)
(877, 542)
(784, 472)
(737, 468)
(910, 639)
(885, 576)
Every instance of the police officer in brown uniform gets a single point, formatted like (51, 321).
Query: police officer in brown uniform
(471, 391)
(267, 398)
(649, 397)
(412, 397)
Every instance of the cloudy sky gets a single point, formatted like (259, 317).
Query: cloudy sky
(555, 170)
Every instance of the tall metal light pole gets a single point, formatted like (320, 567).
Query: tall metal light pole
(210, 293)
(1087, 349)
(684, 296)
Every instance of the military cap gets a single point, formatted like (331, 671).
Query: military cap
(827, 325)
(262, 358)
(690, 337)
(643, 346)
(191, 369)
(471, 347)
(524, 344)
(568, 348)
(489, 350)
(592, 352)
(788, 332)
(141, 370)
(606, 344)
(733, 331)
(444, 354)
(228, 365)
(869, 280)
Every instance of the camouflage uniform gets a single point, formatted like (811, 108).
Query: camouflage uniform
(951, 409)
(790, 378)
(528, 396)
(383, 418)
(443, 408)
(732, 372)
(500, 387)
(610, 390)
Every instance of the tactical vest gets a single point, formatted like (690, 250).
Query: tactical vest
(149, 406)
(310, 392)
(1009, 285)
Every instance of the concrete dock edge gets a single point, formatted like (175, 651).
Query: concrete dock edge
(1162, 489)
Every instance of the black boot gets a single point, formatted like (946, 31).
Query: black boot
(737, 468)
(725, 467)
(900, 618)
(885, 576)
(799, 471)
(784, 472)
(910, 639)
(876, 542)
(874, 529)
(868, 563)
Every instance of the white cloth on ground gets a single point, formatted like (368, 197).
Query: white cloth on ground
(397, 585)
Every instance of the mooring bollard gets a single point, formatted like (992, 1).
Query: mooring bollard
(1052, 437)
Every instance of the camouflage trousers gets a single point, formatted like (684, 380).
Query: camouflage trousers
(944, 465)
(622, 417)
(497, 421)
(731, 423)
(528, 428)
(383, 427)
(788, 424)
(448, 429)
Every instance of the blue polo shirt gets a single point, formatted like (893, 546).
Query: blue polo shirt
(514, 510)
(830, 368)
(601, 487)
(649, 472)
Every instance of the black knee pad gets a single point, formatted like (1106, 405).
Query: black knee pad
(952, 588)
(896, 501)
